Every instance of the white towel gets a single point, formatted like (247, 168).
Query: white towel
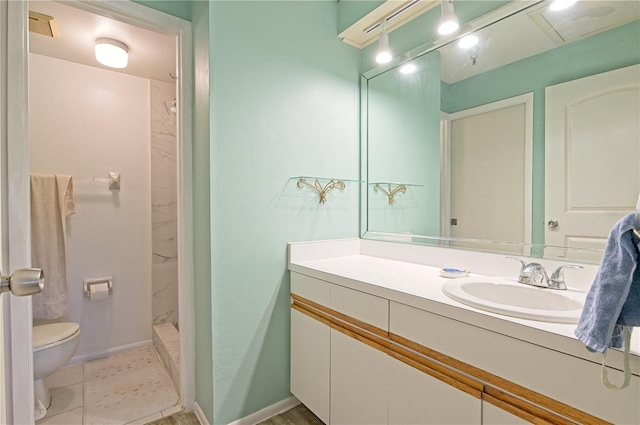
(51, 204)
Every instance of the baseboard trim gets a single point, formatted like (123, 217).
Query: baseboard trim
(111, 351)
(268, 412)
(200, 414)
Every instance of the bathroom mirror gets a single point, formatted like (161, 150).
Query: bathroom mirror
(526, 143)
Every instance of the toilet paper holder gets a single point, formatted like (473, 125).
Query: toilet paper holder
(90, 282)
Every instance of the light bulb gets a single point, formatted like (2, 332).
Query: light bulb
(408, 68)
(112, 53)
(383, 54)
(561, 4)
(448, 26)
(448, 23)
(468, 41)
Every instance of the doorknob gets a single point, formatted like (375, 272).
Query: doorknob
(552, 224)
(23, 282)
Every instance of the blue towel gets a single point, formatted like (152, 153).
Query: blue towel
(613, 301)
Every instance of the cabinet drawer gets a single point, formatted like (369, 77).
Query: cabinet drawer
(494, 358)
(311, 288)
(367, 308)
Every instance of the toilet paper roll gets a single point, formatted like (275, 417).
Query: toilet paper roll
(98, 291)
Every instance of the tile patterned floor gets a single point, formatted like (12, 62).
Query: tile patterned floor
(69, 403)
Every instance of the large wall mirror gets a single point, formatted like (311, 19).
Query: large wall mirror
(526, 143)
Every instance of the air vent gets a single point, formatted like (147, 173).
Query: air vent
(584, 19)
(43, 24)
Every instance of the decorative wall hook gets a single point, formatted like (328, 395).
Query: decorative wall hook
(390, 192)
(322, 190)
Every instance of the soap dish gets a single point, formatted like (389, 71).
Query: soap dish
(453, 273)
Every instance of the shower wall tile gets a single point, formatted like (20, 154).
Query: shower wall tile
(163, 123)
(164, 168)
(164, 165)
(162, 95)
(164, 305)
(164, 206)
(164, 245)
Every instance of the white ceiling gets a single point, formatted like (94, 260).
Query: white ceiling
(151, 55)
(534, 31)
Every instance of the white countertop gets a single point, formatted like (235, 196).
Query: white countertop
(420, 286)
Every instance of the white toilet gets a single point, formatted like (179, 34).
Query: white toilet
(53, 346)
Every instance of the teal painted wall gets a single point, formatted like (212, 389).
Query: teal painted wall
(610, 50)
(281, 100)
(351, 11)
(201, 210)
(284, 102)
(179, 8)
(404, 147)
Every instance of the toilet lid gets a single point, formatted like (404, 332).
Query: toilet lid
(53, 332)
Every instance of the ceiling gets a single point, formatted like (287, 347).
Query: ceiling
(534, 31)
(151, 55)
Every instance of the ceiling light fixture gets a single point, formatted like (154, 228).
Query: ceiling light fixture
(383, 54)
(468, 41)
(562, 4)
(448, 23)
(112, 53)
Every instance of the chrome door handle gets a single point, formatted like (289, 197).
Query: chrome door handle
(552, 224)
(23, 282)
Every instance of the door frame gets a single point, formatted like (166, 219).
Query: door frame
(445, 173)
(15, 191)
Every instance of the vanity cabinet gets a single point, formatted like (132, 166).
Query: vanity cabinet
(310, 348)
(359, 375)
(416, 397)
(492, 415)
(357, 358)
(310, 360)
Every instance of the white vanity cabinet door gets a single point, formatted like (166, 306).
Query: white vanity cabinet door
(418, 398)
(359, 376)
(310, 348)
(310, 368)
(493, 415)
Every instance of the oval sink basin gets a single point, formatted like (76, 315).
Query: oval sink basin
(508, 297)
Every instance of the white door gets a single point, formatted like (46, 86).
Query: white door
(16, 385)
(592, 158)
(14, 179)
(491, 173)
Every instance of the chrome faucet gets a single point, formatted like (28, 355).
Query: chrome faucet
(535, 274)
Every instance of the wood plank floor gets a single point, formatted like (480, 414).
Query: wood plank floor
(299, 415)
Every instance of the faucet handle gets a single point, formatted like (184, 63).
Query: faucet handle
(524, 264)
(556, 280)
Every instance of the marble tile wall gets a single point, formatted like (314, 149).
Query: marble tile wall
(164, 237)
(166, 339)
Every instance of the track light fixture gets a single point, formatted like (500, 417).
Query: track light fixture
(448, 23)
(383, 54)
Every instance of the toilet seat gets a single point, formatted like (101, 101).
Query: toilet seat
(50, 335)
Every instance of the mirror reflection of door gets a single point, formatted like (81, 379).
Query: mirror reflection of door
(491, 175)
(592, 159)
